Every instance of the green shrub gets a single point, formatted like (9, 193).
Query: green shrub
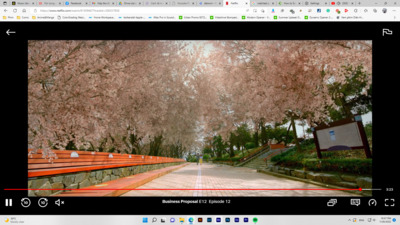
(250, 145)
(284, 155)
(219, 159)
(355, 166)
(289, 162)
(225, 156)
(191, 158)
(206, 157)
(235, 159)
(334, 161)
(308, 141)
(368, 130)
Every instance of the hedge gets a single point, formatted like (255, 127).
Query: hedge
(284, 155)
(250, 145)
(354, 166)
(233, 159)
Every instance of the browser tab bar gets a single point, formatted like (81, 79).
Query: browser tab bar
(112, 3)
(323, 3)
(198, 3)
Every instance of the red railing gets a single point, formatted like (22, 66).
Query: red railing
(253, 154)
(70, 161)
(276, 146)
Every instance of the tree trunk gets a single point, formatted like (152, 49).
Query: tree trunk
(296, 141)
(244, 146)
(139, 150)
(287, 133)
(346, 109)
(264, 138)
(219, 154)
(256, 138)
(231, 152)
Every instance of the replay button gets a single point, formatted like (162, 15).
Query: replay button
(43, 202)
(25, 202)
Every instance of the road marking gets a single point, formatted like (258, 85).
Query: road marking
(198, 185)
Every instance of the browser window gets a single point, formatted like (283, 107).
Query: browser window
(199, 112)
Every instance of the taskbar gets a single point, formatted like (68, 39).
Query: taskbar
(200, 219)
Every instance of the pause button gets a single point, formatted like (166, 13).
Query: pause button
(8, 202)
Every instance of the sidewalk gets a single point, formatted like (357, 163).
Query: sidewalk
(130, 182)
(211, 176)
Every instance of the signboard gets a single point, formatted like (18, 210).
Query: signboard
(341, 135)
(332, 134)
(346, 134)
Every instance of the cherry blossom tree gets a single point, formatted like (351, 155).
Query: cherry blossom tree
(93, 92)
(145, 96)
(274, 80)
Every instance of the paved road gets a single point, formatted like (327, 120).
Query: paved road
(211, 176)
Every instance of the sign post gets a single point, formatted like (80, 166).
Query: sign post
(343, 134)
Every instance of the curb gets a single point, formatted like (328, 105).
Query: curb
(313, 182)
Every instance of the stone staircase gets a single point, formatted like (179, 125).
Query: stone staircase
(254, 157)
(259, 163)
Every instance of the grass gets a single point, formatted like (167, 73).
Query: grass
(350, 161)
(250, 151)
(238, 155)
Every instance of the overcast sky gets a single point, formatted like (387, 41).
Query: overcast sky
(366, 118)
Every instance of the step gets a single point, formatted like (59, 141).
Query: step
(253, 158)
